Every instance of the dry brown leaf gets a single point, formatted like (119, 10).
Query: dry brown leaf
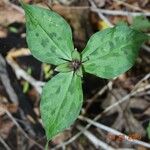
(147, 112)
(3, 32)
(5, 127)
(139, 103)
(9, 15)
(9, 107)
(62, 137)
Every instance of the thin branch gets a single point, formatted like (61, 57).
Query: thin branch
(6, 81)
(115, 132)
(20, 73)
(146, 77)
(20, 128)
(16, 7)
(119, 12)
(147, 48)
(104, 11)
(96, 142)
(91, 100)
(100, 14)
(129, 5)
(4, 144)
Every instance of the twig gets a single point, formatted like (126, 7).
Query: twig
(91, 100)
(144, 78)
(6, 81)
(4, 143)
(119, 12)
(147, 48)
(17, 8)
(100, 14)
(129, 5)
(67, 142)
(18, 53)
(115, 132)
(27, 125)
(10, 91)
(21, 73)
(108, 12)
(96, 142)
(20, 128)
(14, 6)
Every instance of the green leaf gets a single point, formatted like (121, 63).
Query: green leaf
(47, 70)
(26, 84)
(141, 23)
(76, 55)
(65, 67)
(79, 72)
(113, 51)
(49, 36)
(61, 102)
(148, 130)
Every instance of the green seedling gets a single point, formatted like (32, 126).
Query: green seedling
(26, 84)
(47, 71)
(107, 54)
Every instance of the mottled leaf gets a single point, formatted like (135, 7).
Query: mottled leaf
(76, 55)
(65, 67)
(79, 71)
(148, 130)
(112, 51)
(61, 102)
(49, 36)
(141, 23)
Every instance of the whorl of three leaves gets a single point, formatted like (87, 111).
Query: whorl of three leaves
(108, 54)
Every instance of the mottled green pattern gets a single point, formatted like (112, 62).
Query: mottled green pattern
(107, 54)
(46, 31)
(65, 67)
(61, 102)
(76, 55)
(141, 23)
(112, 51)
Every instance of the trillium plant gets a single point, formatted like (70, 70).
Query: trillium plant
(107, 54)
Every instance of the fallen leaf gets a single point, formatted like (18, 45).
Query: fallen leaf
(9, 15)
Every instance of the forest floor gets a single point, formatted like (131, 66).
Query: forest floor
(115, 113)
